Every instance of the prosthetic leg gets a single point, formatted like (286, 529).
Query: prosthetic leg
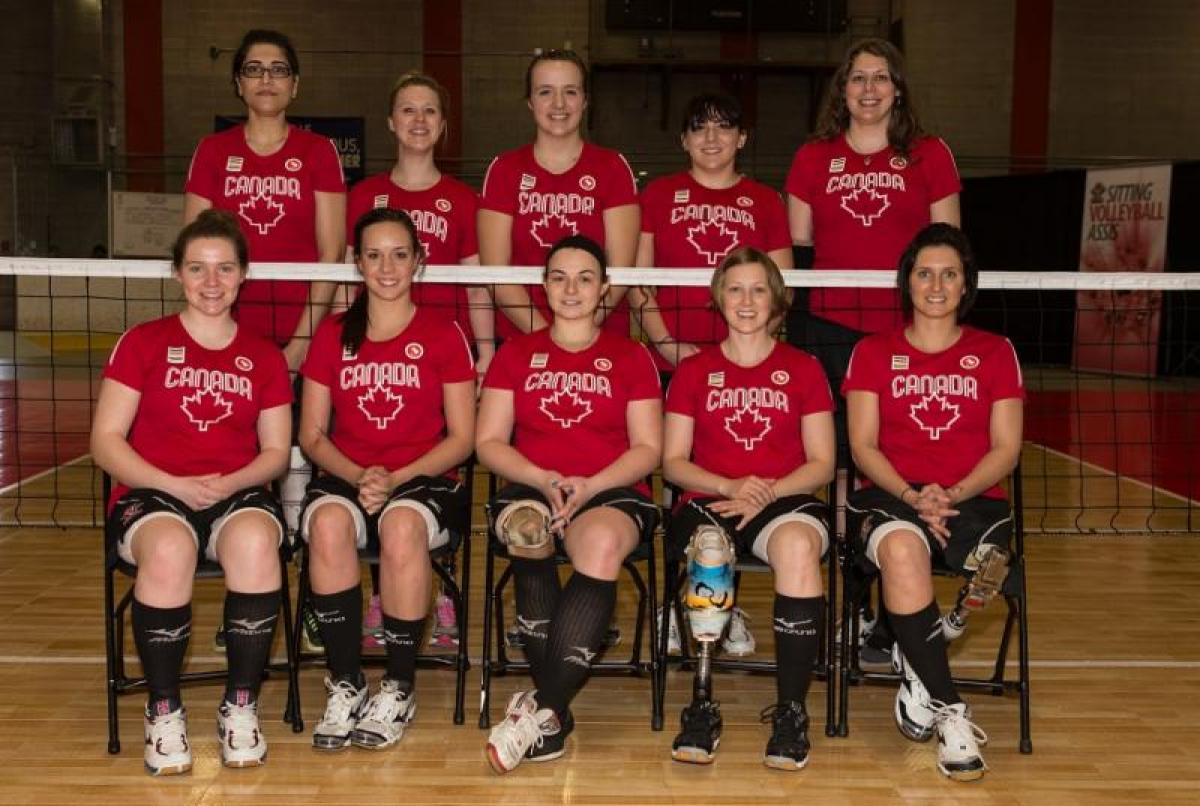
(709, 599)
(990, 566)
(524, 528)
(709, 603)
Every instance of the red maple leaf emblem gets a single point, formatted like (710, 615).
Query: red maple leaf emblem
(712, 240)
(552, 228)
(748, 426)
(565, 408)
(262, 212)
(380, 406)
(865, 204)
(934, 414)
(206, 407)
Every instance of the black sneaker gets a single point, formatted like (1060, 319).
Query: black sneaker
(788, 746)
(554, 742)
(697, 742)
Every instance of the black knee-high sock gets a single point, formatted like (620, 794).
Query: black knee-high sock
(161, 635)
(920, 638)
(575, 636)
(537, 594)
(402, 638)
(339, 620)
(250, 621)
(798, 624)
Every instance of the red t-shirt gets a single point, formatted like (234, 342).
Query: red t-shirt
(445, 219)
(274, 202)
(695, 227)
(746, 420)
(935, 409)
(865, 211)
(546, 207)
(199, 408)
(569, 408)
(387, 399)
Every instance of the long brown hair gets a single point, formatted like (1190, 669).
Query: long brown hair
(903, 125)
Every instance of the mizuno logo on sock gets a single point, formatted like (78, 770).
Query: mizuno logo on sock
(795, 627)
(532, 627)
(250, 627)
(583, 658)
(396, 638)
(171, 636)
(329, 617)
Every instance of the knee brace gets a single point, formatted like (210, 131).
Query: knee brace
(989, 566)
(709, 597)
(524, 528)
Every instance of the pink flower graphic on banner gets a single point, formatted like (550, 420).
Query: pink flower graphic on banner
(1123, 312)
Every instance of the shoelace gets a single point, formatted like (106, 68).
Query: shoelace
(241, 725)
(699, 717)
(787, 720)
(518, 733)
(340, 702)
(384, 706)
(168, 734)
(956, 723)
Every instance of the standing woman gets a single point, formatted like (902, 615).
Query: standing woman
(442, 207)
(571, 415)
(556, 186)
(192, 423)
(935, 425)
(693, 219)
(285, 186)
(749, 453)
(388, 415)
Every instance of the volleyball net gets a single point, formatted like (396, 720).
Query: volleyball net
(1111, 364)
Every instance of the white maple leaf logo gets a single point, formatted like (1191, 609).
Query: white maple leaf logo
(748, 426)
(565, 408)
(712, 240)
(552, 228)
(865, 204)
(934, 414)
(379, 405)
(261, 212)
(206, 408)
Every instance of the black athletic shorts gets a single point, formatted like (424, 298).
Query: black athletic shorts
(640, 509)
(753, 539)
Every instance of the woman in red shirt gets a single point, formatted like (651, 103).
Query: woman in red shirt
(192, 423)
(571, 415)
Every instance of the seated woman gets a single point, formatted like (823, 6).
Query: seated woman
(193, 423)
(571, 416)
(747, 492)
(388, 415)
(935, 424)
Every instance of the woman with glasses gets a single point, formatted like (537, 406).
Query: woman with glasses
(285, 186)
(556, 186)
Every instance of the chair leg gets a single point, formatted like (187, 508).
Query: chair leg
(831, 719)
(291, 712)
(656, 659)
(303, 593)
(485, 675)
(111, 649)
(1026, 745)
(460, 608)
(851, 593)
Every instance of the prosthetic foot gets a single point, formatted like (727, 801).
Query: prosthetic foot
(524, 527)
(990, 566)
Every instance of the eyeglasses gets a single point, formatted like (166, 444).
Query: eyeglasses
(260, 70)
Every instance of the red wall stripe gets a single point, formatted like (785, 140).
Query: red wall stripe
(143, 61)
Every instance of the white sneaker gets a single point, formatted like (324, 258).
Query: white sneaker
(914, 713)
(167, 751)
(343, 709)
(387, 715)
(739, 640)
(673, 644)
(524, 727)
(242, 743)
(958, 742)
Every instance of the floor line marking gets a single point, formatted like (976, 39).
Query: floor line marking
(1117, 476)
(42, 474)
